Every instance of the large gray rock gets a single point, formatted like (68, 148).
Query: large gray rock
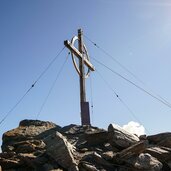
(75, 134)
(61, 151)
(130, 152)
(27, 146)
(146, 162)
(24, 146)
(161, 153)
(96, 137)
(162, 139)
(27, 130)
(120, 138)
(97, 161)
(13, 160)
(142, 162)
(85, 137)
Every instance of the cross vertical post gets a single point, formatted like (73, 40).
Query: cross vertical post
(85, 113)
(82, 54)
(81, 67)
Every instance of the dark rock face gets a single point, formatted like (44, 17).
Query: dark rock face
(163, 139)
(44, 146)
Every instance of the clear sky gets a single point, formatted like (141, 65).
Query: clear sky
(136, 33)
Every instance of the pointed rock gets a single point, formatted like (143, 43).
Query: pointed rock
(120, 138)
(61, 151)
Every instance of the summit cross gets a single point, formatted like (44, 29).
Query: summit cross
(82, 54)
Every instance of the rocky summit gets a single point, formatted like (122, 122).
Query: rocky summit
(44, 146)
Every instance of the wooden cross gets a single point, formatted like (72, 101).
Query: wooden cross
(83, 57)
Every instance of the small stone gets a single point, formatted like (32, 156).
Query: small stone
(143, 137)
(108, 155)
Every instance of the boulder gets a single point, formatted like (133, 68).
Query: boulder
(146, 162)
(119, 138)
(27, 130)
(13, 160)
(101, 161)
(73, 129)
(162, 139)
(75, 134)
(85, 137)
(58, 148)
(97, 161)
(134, 150)
(96, 137)
(161, 153)
(36, 123)
(27, 146)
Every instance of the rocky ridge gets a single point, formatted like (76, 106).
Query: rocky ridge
(44, 146)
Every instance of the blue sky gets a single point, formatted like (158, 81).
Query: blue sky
(136, 33)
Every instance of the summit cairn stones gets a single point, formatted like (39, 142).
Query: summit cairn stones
(44, 146)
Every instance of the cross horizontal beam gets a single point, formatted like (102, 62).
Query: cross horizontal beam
(68, 44)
